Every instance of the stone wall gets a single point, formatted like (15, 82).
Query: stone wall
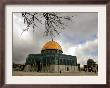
(52, 68)
(63, 68)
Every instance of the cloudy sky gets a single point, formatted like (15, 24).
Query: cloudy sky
(78, 39)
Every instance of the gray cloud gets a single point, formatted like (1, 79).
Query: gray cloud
(81, 31)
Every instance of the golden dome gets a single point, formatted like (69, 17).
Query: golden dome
(52, 45)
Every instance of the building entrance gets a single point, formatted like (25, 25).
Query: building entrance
(39, 66)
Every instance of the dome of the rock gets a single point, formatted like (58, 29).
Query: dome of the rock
(51, 59)
(52, 45)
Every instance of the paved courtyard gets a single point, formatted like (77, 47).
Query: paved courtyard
(21, 73)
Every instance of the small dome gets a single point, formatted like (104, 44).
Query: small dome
(90, 61)
(52, 45)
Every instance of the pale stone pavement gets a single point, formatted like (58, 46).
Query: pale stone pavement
(21, 73)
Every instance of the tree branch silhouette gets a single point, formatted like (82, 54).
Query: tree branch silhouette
(52, 21)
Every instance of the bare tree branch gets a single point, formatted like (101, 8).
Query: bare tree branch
(52, 21)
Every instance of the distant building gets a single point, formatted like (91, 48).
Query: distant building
(91, 66)
(18, 67)
(51, 59)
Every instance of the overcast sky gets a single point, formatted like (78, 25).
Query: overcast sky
(78, 39)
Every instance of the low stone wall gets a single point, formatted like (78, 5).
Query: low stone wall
(63, 68)
(52, 68)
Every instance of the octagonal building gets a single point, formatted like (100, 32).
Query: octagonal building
(51, 59)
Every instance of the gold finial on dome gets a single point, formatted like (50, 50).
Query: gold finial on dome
(52, 45)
